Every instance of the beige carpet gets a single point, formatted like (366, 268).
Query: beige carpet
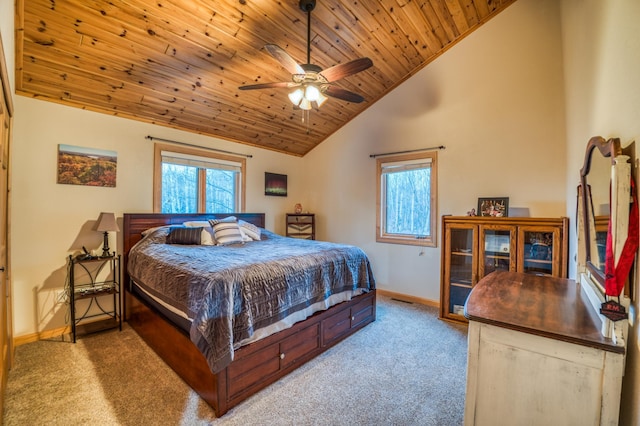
(407, 368)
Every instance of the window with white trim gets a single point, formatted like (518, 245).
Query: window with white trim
(407, 209)
(195, 181)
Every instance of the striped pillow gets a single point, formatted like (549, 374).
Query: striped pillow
(226, 231)
(184, 235)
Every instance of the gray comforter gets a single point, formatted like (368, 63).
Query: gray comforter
(229, 292)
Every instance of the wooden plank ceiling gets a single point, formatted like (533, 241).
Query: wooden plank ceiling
(179, 63)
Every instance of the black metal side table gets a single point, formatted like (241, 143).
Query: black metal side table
(93, 278)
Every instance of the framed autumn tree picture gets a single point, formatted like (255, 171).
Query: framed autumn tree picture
(86, 166)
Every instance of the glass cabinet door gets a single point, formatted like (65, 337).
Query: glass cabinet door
(497, 249)
(461, 266)
(539, 249)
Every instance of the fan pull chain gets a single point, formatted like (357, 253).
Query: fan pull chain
(305, 119)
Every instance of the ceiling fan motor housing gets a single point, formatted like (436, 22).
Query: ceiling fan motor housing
(311, 68)
(307, 5)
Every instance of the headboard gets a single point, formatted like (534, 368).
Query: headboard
(134, 223)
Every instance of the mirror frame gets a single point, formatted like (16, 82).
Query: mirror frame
(609, 149)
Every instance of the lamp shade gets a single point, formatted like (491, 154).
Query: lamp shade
(107, 222)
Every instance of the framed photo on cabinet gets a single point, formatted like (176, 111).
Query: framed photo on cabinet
(493, 206)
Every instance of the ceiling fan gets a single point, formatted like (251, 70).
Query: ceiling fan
(312, 83)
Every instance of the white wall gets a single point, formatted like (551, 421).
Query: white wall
(601, 45)
(50, 221)
(495, 101)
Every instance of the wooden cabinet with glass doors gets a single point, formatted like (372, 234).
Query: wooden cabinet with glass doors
(473, 247)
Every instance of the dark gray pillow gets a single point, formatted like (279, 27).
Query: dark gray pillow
(184, 235)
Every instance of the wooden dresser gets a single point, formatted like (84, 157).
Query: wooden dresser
(536, 355)
(301, 225)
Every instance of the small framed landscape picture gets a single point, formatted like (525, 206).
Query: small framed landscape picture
(86, 166)
(275, 184)
(493, 206)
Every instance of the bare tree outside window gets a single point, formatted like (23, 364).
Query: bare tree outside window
(194, 181)
(407, 199)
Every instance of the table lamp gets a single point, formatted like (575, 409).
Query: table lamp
(106, 223)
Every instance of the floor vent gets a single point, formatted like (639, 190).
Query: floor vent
(403, 301)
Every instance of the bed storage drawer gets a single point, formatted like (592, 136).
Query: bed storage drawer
(253, 367)
(363, 312)
(343, 322)
(296, 347)
(335, 326)
(247, 370)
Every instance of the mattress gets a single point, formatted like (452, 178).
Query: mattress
(183, 322)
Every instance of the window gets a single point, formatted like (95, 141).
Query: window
(407, 210)
(194, 181)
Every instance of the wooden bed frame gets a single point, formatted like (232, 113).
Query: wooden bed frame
(255, 366)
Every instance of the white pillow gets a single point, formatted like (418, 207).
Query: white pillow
(245, 237)
(251, 231)
(206, 238)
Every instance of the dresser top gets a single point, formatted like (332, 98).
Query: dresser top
(556, 308)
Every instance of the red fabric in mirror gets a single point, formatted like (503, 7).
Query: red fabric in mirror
(616, 274)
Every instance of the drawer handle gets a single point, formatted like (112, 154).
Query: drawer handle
(281, 356)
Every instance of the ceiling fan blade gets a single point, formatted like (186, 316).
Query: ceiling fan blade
(339, 71)
(281, 84)
(285, 60)
(345, 95)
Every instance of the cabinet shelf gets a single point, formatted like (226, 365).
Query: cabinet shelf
(462, 284)
(544, 262)
(496, 256)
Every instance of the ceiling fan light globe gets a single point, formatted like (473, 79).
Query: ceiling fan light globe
(312, 93)
(296, 96)
(305, 104)
(321, 99)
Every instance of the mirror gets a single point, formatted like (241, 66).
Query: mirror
(598, 180)
(595, 180)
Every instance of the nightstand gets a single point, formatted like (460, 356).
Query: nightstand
(96, 281)
(301, 225)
